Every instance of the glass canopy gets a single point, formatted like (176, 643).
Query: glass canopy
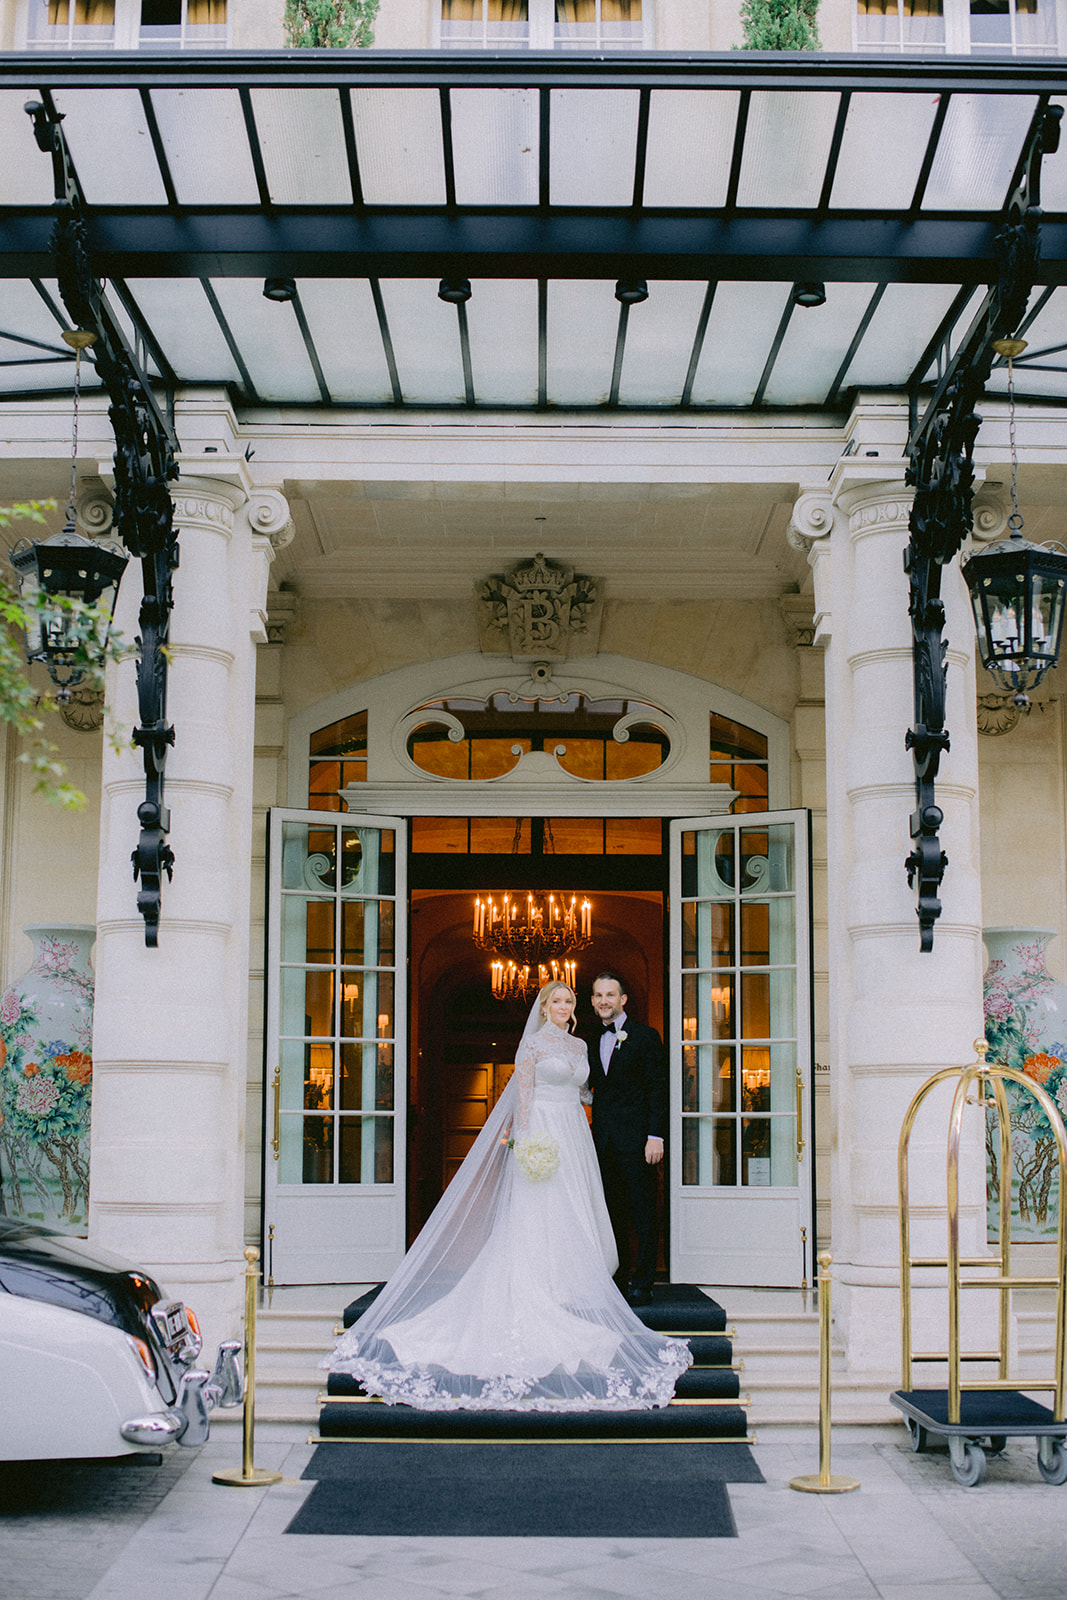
(366, 178)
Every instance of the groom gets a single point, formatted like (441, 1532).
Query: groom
(628, 1079)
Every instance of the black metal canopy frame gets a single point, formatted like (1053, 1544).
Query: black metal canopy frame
(941, 469)
(145, 446)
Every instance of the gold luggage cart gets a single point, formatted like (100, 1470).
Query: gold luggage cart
(994, 1409)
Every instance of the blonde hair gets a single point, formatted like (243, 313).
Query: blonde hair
(545, 994)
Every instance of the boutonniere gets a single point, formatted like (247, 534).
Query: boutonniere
(619, 1037)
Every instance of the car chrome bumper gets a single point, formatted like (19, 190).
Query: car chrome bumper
(158, 1428)
(188, 1422)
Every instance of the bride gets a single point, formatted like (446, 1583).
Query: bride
(506, 1297)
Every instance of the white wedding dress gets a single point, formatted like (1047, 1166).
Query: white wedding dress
(506, 1298)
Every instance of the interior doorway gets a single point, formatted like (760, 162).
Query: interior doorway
(463, 1039)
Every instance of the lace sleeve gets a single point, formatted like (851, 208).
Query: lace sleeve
(525, 1065)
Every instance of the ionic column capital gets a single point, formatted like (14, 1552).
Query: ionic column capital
(269, 516)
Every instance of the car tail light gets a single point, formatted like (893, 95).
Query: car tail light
(193, 1322)
(142, 1351)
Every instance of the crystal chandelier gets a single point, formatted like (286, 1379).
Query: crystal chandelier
(511, 982)
(533, 937)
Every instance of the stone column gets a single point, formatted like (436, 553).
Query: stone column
(897, 1016)
(171, 1023)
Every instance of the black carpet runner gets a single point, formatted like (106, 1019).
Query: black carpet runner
(482, 1479)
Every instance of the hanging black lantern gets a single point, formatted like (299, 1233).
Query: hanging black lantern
(53, 572)
(1018, 591)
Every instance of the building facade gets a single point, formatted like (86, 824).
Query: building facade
(570, 602)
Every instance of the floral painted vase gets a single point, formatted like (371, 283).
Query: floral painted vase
(46, 1031)
(1026, 1028)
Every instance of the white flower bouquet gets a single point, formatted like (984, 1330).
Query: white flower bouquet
(537, 1156)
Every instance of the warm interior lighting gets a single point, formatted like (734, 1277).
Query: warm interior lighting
(533, 929)
(512, 982)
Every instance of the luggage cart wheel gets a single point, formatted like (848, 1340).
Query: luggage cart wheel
(919, 1437)
(997, 1442)
(1052, 1459)
(968, 1462)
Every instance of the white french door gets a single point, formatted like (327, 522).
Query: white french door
(336, 1041)
(740, 1049)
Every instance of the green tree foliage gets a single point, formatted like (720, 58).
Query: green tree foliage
(780, 25)
(330, 24)
(21, 704)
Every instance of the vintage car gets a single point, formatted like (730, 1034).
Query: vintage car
(94, 1360)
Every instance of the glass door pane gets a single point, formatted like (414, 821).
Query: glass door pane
(741, 1048)
(337, 1016)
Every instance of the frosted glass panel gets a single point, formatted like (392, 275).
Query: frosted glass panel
(787, 146)
(112, 150)
(814, 345)
(659, 343)
(425, 335)
(269, 340)
(24, 312)
(495, 144)
(25, 173)
(302, 140)
(180, 316)
(744, 320)
(347, 338)
(594, 146)
(1048, 330)
(206, 145)
(502, 325)
(978, 150)
(876, 124)
(905, 320)
(583, 323)
(400, 146)
(690, 144)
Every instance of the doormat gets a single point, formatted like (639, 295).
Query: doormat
(586, 1491)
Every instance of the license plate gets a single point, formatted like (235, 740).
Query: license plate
(173, 1327)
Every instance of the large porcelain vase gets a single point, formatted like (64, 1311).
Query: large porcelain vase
(1026, 1028)
(46, 1030)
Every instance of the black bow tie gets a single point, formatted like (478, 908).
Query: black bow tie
(608, 1027)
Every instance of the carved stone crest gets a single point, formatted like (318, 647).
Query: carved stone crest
(539, 610)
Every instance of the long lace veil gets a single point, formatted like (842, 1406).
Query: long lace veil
(535, 1319)
(463, 1219)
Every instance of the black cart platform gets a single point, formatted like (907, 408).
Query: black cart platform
(993, 1414)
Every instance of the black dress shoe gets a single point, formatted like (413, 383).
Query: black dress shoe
(639, 1297)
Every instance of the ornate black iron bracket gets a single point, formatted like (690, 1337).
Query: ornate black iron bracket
(941, 469)
(145, 448)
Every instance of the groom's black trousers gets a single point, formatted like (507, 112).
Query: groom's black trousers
(630, 1192)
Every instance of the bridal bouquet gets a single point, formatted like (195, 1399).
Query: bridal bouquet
(537, 1156)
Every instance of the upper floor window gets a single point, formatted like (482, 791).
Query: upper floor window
(1011, 27)
(126, 24)
(544, 24)
(485, 24)
(900, 25)
(1015, 25)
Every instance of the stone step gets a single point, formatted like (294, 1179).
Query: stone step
(775, 1352)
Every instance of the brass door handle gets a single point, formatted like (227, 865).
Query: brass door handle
(800, 1113)
(276, 1142)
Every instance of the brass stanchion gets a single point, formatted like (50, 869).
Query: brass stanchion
(249, 1476)
(824, 1481)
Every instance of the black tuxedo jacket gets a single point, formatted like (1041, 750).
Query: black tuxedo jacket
(630, 1100)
